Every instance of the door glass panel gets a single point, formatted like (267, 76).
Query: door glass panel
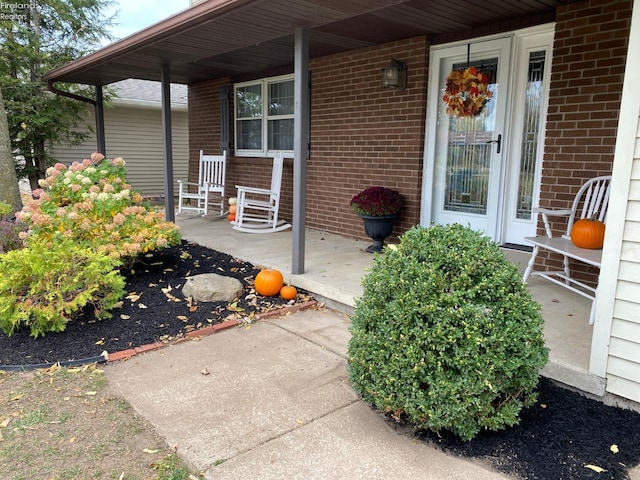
(468, 167)
(530, 134)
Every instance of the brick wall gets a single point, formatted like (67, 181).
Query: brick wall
(204, 122)
(363, 134)
(586, 86)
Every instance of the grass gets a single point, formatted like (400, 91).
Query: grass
(62, 424)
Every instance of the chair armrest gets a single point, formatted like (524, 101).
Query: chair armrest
(547, 211)
(264, 191)
(184, 182)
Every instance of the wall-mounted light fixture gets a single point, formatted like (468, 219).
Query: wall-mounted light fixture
(394, 75)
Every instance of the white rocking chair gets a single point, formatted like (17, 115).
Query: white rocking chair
(211, 178)
(591, 201)
(257, 208)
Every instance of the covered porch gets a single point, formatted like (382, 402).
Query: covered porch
(335, 266)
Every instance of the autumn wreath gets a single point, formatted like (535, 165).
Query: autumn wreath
(467, 92)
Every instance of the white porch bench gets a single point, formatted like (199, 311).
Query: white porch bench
(591, 201)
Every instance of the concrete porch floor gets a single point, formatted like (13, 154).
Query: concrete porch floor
(334, 267)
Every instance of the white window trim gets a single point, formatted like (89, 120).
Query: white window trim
(264, 82)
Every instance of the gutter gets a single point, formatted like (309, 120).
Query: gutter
(99, 110)
(62, 93)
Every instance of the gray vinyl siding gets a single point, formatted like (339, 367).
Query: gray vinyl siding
(135, 134)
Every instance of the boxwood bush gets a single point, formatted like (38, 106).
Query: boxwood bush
(445, 335)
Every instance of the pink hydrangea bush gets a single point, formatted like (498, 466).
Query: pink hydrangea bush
(91, 204)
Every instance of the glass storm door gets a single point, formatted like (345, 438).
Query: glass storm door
(484, 170)
(466, 151)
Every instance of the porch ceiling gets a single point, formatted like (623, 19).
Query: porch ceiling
(219, 38)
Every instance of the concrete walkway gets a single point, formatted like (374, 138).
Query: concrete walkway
(272, 401)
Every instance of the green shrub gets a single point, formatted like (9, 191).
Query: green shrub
(445, 334)
(91, 204)
(42, 286)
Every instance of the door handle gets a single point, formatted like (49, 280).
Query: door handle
(498, 141)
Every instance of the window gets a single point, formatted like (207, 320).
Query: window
(264, 116)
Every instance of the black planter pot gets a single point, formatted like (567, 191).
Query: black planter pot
(378, 228)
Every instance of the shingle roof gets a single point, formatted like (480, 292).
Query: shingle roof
(148, 91)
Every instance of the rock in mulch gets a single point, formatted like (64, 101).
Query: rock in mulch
(211, 287)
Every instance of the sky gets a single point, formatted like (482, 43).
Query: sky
(135, 15)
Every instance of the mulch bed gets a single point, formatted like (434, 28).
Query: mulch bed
(148, 314)
(558, 438)
(565, 436)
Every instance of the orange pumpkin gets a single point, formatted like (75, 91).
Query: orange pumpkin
(588, 233)
(268, 282)
(232, 209)
(288, 292)
(231, 217)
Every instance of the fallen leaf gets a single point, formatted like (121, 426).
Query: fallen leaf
(193, 308)
(133, 296)
(595, 468)
(149, 450)
(614, 448)
(125, 317)
(53, 368)
(182, 317)
(142, 305)
(5, 422)
(72, 440)
(169, 295)
(233, 307)
(100, 342)
(91, 393)
(17, 397)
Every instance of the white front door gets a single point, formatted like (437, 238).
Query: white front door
(481, 169)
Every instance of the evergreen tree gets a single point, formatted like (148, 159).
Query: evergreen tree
(38, 36)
